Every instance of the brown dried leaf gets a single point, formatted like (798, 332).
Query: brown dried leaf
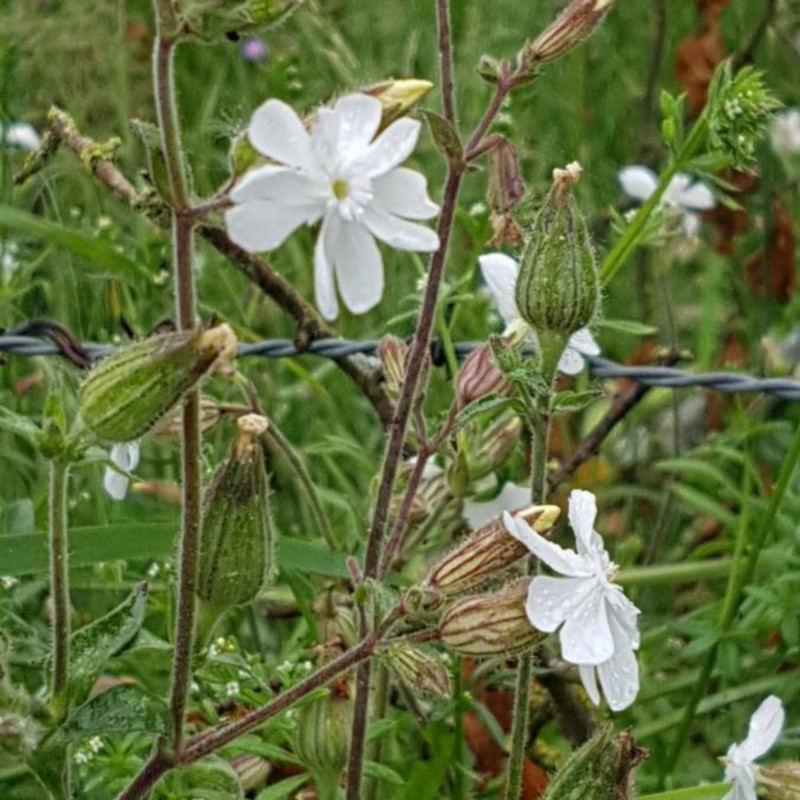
(771, 271)
(697, 58)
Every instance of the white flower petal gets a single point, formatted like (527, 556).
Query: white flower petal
(358, 118)
(115, 483)
(638, 182)
(690, 223)
(567, 562)
(765, 727)
(260, 225)
(584, 342)
(389, 150)
(278, 133)
(582, 514)
(589, 681)
(552, 600)
(619, 677)
(623, 617)
(696, 196)
(358, 266)
(324, 289)
(404, 192)
(398, 232)
(744, 782)
(500, 273)
(22, 135)
(511, 497)
(125, 455)
(282, 185)
(571, 362)
(586, 636)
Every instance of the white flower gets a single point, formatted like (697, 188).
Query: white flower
(95, 744)
(21, 135)
(232, 689)
(784, 132)
(681, 195)
(597, 622)
(345, 175)
(512, 496)
(125, 457)
(500, 273)
(765, 727)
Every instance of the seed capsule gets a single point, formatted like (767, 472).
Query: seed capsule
(558, 289)
(490, 624)
(126, 394)
(420, 669)
(486, 553)
(479, 377)
(237, 538)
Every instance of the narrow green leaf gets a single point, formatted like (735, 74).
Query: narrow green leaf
(97, 251)
(701, 502)
(283, 789)
(445, 137)
(628, 326)
(383, 773)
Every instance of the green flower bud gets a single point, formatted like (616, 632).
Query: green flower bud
(322, 737)
(558, 289)
(126, 394)
(486, 554)
(392, 353)
(494, 446)
(237, 537)
(490, 624)
(600, 769)
(397, 97)
(422, 670)
(252, 770)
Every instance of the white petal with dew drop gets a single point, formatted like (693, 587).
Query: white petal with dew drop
(765, 727)
(619, 675)
(571, 362)
(260, 225)
(500, 273)
(582, 514)
(358, 118)
(586, 635)
(567, 562)
(589, 681)
(390, 149)
(404, 193)
(324, 287)
(278, 133)
(638, 182)
(398, 232)
(358, 267)
(552, 600)
(279, 184)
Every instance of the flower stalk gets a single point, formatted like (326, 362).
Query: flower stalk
(59, 584)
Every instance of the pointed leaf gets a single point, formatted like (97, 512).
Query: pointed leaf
(120, 710)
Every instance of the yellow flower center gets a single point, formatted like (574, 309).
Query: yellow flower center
(340, 189)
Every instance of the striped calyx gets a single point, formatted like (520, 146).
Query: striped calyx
(490, 624)
(485, 554)
(126, 394)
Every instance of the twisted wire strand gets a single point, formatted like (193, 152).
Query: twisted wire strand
(667, 377)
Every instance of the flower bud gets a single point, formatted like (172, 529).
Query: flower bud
(458, 473)
(574, 24)
(494, 446)
(322, 735)
(779, 781)
(420, 669)
(392, 353)
(505, 190)
(479, 377)
(558, 288)
(397, 97)
(237, 537)
(486, 553)
(170, 426)
(252, 770)
(128, 392)
(490, 624)
(601, 768)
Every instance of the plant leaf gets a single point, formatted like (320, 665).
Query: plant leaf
(121, 710)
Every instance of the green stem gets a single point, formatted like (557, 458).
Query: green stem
(675, 573)
(300, 469)
(459, 782)
(738, 580)
(630, 237)
(59, 585)
(710, 792)
(551, 348)
(374, 751)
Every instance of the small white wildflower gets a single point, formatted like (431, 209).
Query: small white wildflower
(500, 273)
(125, 457)
(153, 570)
(21, 135)
(682, 196)
(95, 744)
(597, 622)
(213, 650)
(9, 262)
(232, 688)
(8, 581)
(784, 132)
(345, 173)
(82, 757)
(194, 686)
(478, 209)
(765, 727)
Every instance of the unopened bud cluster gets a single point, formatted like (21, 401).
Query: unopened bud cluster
(126, 394)
(558, 289)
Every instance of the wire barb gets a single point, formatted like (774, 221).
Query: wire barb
(17, 343)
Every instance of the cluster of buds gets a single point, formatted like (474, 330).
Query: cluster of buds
(237, 536)
(572, 26)
(487, 553)
(126, 394)
(558, 289)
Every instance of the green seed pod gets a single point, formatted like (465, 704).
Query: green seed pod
(601, 769)
(422, 670)
(490, 624)
(126, 394)
(322, 736)
(558, 289)
(237, 538)
(486, 553)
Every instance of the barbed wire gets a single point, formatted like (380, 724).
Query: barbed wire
(334, 349)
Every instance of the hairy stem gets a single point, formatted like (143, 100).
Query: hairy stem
(59, 584)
